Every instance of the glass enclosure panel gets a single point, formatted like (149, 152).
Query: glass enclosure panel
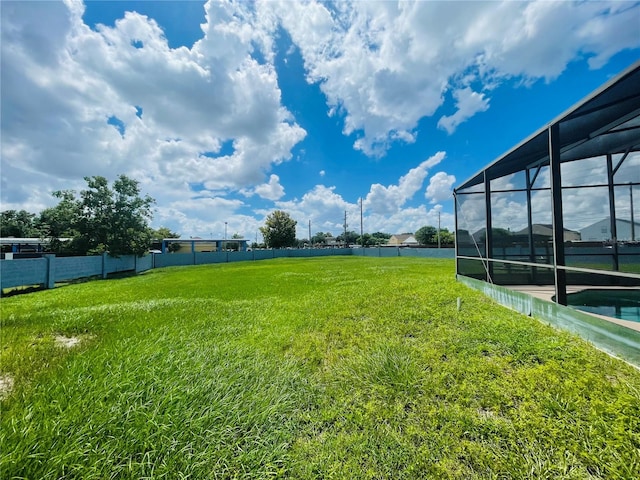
(515, 181)
(542, 179)
(585, 213)
(629, 258)
(541, 226)
(629, 171)
(471, 268)
(510, 226)
(509, 212)
(509, 274)
(588, 171)
(595, 262)
(580, 278)
(470, 236)
(479, 188)
(627, 229)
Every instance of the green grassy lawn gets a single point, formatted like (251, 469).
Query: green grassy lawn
(336, 367)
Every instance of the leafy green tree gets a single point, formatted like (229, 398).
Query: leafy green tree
(426, 235)
(351, 237)
(102, 219)
(19, 224)
(160, 234)
(366, 240)
(446, 237)
(320, 238)
(380, 238)
(60, 223)
(500, 236)
(301, 242)
(279, 230)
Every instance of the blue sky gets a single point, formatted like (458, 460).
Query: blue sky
(227, 111)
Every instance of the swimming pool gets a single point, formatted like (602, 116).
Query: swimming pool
(623, 304)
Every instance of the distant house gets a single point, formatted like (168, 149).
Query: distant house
(331, 241)
(546, 230)
(402, 240)
(601, 230)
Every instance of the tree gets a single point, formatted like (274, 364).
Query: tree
(19, 224)
(160, 234)
(279, 230)
(60, 222)
(447, 237)
(380, 238)
(351, 238)
(103, 219)
(426, 235)
(319, 238)
(366, 240)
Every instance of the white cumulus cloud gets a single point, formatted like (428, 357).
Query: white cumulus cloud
(440, 187)
(468, 103)
(65, 85)
(385, 65)
(389, 199)
(271, 190)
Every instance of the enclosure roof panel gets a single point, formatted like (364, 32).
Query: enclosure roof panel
(606, 121)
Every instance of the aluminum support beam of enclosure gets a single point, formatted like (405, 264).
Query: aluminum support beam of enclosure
(560, 275)
(455, 242)
(532, 247)
(612, 213)
(488, 226)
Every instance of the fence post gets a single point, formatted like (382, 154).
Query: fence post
(104, 265)
(51, 274)
(194, 256)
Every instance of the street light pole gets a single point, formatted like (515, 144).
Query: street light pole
(225, 231)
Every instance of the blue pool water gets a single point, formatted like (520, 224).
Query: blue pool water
(622, 304)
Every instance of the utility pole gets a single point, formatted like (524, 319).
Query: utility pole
(346, 244)
(309, 232)
(438, 228)
(361, 231)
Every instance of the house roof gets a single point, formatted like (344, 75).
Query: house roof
(618, 221)
(403, 238)
(543, 225)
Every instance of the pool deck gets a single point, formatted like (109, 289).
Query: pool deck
(546, 293)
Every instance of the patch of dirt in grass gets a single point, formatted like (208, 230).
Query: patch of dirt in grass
(485, 413)
(68, 342)
(6, 385)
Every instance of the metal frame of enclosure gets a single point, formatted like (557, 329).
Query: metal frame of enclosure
(563, 206)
